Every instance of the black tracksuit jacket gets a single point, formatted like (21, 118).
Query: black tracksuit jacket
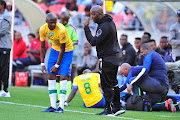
(105, 40)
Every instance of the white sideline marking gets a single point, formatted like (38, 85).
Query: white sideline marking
(64, 110)
(167, 116)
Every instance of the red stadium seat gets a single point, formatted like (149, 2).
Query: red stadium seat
(81, 9)
(56, 8)
(117, 19)
(62, 1)
(43, 6)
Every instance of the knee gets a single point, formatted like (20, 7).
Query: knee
(63, 77)
(51, 76)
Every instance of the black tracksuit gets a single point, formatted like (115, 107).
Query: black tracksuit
(109, 51)
(129, 54)
(4, 68)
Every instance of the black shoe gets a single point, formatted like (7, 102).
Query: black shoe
(105, 112)
(50, 109)
(119, 112)
(59, 110)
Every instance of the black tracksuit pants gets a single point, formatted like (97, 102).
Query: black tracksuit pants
(109, 85)
(4, 68)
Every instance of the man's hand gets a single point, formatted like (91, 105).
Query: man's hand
(129, 88)
(43, 69)
(66, 104)
(54, 69)
(86, 23)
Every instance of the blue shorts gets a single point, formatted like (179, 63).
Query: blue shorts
(65, 62)
(100, 104)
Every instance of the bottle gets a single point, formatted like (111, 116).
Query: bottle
(145, 106)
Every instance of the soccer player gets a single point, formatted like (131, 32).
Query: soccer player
(60, 58)
(73, 36)
(88, 85)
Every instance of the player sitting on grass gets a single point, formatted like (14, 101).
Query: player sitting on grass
(88, 85)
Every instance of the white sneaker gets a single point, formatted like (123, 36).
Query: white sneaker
(4, 94)
(7, 94)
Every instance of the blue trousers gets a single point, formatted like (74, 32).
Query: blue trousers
(22, 62)
(154, 90)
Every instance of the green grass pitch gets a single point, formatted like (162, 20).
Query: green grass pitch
(27, 103)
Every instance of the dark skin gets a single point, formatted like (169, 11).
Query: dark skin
(123, 40)
(64, 20)
(178, 17)
(51, 20)
(145, 38)
(2, 8)
(96, 13)
(163, 43)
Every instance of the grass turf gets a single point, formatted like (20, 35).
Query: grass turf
(40, 97)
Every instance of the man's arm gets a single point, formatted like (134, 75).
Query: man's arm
(4, 28)
(42, 54)
(172, 36)
(101, 34)
(37, 52)
(72, 94)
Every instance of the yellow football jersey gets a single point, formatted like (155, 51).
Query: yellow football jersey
(88, 86)
(57, 36)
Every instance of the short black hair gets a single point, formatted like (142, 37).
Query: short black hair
(87, 8)
(138, 38)
(148, 34)
(32, 34)
(2, 2)
(164, 37)
(65, 14)
(151, 40)
(125, 36)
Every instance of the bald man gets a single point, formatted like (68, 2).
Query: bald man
(60, 58)
(128, 71)
(19, 46)
(152, 78)
(108, 51)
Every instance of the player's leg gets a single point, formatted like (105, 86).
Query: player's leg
(52, 81)
(69, 84)
(58, 87)
(64, 73)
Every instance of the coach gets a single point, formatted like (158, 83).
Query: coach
(108, 52)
